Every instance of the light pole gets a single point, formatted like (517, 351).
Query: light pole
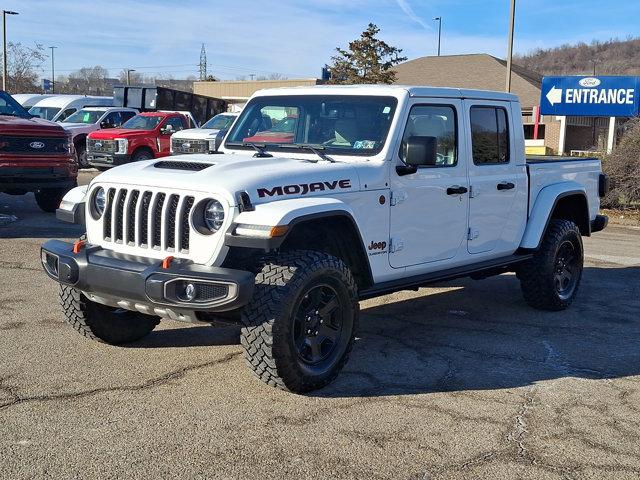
(512, 18)
(53, 73)
(129, 70)
(4, 43)
(439, 20)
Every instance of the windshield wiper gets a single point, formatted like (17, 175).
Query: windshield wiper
(315, 148)
(261, 149)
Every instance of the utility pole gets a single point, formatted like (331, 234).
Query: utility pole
(512, 19)
(53, 73)
(4, 46)
(439, 20)
(129, 70)
(203, 63)
(252, 76)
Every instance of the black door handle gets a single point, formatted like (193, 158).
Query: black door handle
(456, 190)
(506, 186)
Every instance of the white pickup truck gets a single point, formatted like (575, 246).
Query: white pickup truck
(374, 189)
(205, 139)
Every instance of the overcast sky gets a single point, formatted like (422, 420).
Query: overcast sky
(295, 38)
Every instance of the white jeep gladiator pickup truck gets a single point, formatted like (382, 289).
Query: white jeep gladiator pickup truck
(374, 189)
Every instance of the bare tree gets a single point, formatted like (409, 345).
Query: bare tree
(23, 64)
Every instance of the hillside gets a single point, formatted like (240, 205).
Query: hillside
(614, 57)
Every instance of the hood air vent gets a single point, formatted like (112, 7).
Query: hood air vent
(182, 165)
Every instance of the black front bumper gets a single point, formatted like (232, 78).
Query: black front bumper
(143, 280)
(35, 178)
(107, 159)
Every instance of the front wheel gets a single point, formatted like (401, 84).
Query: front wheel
(550, 280)
(102, 323)
(142, 155)
(49, 199)
(301, 323)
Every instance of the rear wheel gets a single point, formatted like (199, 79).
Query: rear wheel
(101, 323)
(300, 326)
(550, 280)
(49, 199)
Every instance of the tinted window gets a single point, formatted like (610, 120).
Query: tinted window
(489, 135)
(142, 122)
(176, 123)
(8, 106)
(438, 122)
(65, 114)
(114, 119)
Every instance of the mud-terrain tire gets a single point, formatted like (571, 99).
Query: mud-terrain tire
(49, 199)
(300, 325)
(101, 323)
(141, 155)
(550, 280)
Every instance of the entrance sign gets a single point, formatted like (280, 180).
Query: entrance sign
(590, 96)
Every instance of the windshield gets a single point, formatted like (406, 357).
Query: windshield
(8, 106)
(353, 125)
(142, 122)
(85, 116)
(44, 112)
(220, 122)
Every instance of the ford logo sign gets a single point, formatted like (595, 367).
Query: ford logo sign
(186, 146)
(97, 145)
(589, 82)
(36, 145)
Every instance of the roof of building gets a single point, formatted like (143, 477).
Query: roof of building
(476, 71)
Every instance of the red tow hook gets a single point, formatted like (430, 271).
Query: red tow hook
(166, 263)
(77, 246)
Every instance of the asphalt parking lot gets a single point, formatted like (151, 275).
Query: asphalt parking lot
(458, 381)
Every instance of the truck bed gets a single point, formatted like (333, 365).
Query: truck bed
(547, 170)
(556, 158)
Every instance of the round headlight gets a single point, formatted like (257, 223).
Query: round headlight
(213, 214)
(99, 201)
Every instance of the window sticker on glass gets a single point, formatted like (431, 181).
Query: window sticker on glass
(368, 144)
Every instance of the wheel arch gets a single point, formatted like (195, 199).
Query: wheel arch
(143, 148)
(558, 201)
(326, 225)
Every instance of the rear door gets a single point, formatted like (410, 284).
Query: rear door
(429, 208)
(498, 182)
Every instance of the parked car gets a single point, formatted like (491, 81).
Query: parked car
(58, 107)
(35, 156)
(384, 188)
(145, 136)
(28, 100)
(90, 119)
(205, 139)
(273, 131)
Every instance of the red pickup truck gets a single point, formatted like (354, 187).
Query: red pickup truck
(145, 136)
(36, 155)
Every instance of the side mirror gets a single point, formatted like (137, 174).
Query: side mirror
(420, 151)
(105, 124)
(166, 130)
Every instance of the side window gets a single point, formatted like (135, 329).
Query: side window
(176, 123)
(114, 119)
(127, 115)
(489, 135)
(438, 122)
(66, 113)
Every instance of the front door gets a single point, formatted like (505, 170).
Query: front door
(498, 181)
(429, 208)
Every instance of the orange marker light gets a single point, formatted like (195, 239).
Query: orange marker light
(279, 230)
(77, 246)
(166, 263)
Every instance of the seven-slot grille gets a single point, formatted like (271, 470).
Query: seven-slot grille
(108, 146)
(189, 146)
(145, 219)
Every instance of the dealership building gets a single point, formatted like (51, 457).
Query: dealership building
(555, 134)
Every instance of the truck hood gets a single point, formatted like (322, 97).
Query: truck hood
(29, 126)
(196, 134)
(78, 128)
(264, 179)
(111, 133)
